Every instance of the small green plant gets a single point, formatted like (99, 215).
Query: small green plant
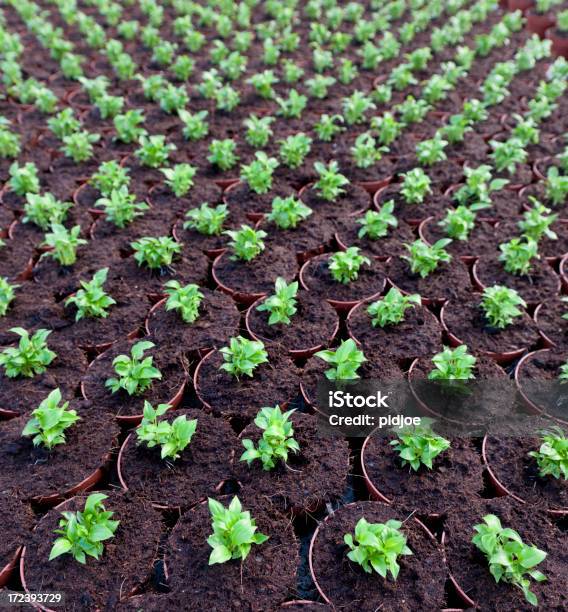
(518, 254)
(416, 185)
(172, 437)
(128, 126)
(552, 456)
(155, 253)
(234, 532)
(222, 154)
(377, 546)
(508, 557)
(135, 373)
(365, 151)
(327, 127)
(44, 210)
(453, 364)
(391, 309)
(63, 243)
(294, 149)
(49, 421)
(243, 356)
(508, 154)
(23, 179)
(258, 174)
(82, 533)
(109, 177)
(91, 300)
(425, 259)
(154, 151)
(501, 306)
(30, 357)
(288, 212)
(258, 130)
(247, 243)
(7, 294)
(64, 123)
(344, 266)
(207, 220)
(331, 182)
(277, 438)
(121, 207)
(375, 224)
(281, 305)
(556, 186)
(344, 361)
(458, 222)
(478, 187)
(79, 145)
(195, 126)
(179, 178)
(537, 222)
(418, 445)
(184, 299)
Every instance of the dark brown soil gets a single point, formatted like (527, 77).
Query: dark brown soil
(218, 321)
(18, 522)
(413, 214)
(417, 335)
(201, 468)
(272, 383)
(65, 371)
(354, 200)
(33, 308)
(15, 258)
(447, 281)
(266, 578)
(34, 471)
(456, 471)
(542, 282)
(465, 320)
(509, 460)
(469, 565)
(389, 246)
(162, 197)
(258, 275)
(313, 324)
(318, 280)
(166, 358)
(550, 322)
(124, 566)
(420, 583)
(314, 476)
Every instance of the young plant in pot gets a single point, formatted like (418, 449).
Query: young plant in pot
(196, 318)
(416, 463)
(100, 547)
(333, 195)
(297, 224)
(510, 160)
(46, 450)
(494, 323)
(477, 189)
(506, 554)
(559, 35)
(173, 457)
(519, 266)
(363, 556)
(242, 377)
(249, 559)
(289, 463)
(298, 322)
(426, 270)
(376, 233)
(247, 271)
(256, 188)
(122, 382)
(345, 363)
(533, 469)
(414, 198)
(394, 323)
(453, 385)
(344, 278)
(120, 207)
